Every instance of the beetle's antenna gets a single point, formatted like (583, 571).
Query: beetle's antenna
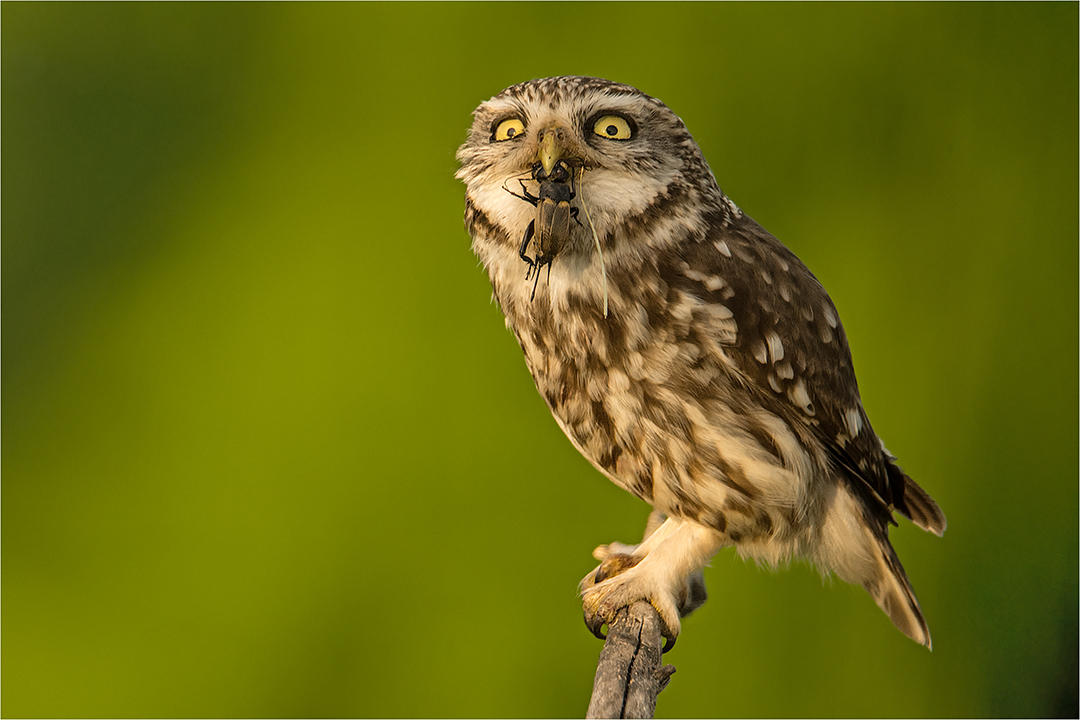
(520, 177)
(600, 250)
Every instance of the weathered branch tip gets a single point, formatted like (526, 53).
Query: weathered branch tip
(629, 674)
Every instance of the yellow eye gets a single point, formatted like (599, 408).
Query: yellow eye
(613, 127)
(509, 128)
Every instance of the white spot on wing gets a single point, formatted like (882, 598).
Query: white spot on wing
(742, 254)
(714, 282)
(711, 282)
(853, 420)
(720, 311)
(799, 396)
(733, 207)
(776, 348)
(761, 354)
(775, 384)
(723, 248)
(723, 323)
(829, 315)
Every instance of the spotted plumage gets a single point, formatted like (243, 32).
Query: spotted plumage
(688, 354)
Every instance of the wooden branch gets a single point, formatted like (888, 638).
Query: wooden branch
(629, 674)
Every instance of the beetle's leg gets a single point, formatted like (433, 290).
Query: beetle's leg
(540, 263)
(526, 195)
(574, 214)
(536, 277)
(525, 246)
(573, 194)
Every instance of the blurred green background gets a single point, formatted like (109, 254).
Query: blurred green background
(268, 449)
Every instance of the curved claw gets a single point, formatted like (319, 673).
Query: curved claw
(603, 603)
(595, 623)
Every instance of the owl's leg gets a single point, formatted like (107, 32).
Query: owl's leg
(661, 570)
(617, 557)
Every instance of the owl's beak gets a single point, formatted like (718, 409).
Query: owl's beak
(553, 146)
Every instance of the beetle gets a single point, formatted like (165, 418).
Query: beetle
(551, 227)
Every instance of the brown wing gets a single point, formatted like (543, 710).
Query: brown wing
(791, 345)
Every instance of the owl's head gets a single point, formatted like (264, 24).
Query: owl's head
(627, 149)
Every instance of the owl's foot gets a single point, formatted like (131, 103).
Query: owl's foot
(621, 579)
(611, 586)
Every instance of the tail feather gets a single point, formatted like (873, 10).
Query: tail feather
(853, 542)
(915, 504)
(892, 591)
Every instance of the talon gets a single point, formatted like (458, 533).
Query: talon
(595, 623)
(615, 584)
(667, 631)
(694, 594)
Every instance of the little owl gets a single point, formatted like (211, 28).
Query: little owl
(691, 357)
